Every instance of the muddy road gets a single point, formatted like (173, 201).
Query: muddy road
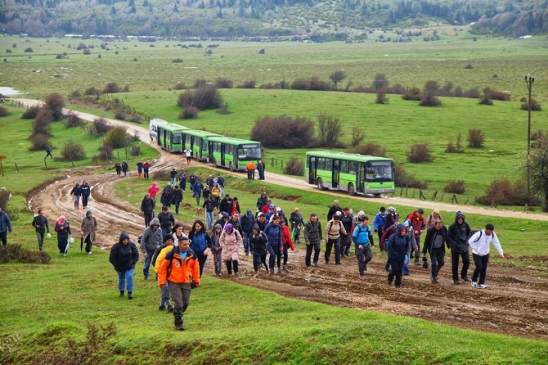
(516, 301)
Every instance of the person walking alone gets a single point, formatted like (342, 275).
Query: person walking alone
(480, 242)
(62, 228)
(89, 227)
(312, 238)
(397, 247)
(40, 224)
(124, 255)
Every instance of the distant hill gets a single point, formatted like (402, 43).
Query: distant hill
(341, 19)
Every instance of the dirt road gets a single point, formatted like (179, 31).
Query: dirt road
(515, 303)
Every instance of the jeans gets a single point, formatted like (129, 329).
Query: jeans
(455, 264)
(209, 219)
(165, 232)
(148, 260)
(201, 261)
(275, 253)
(436, 261)
(330, 243)
(405, 270)
(258, 261)
(246, 242)
(76, 201)
(40, 237)
(125, 278)
(148, 217)
(309, 248)
(217, 260)
(165, 295)
(146, 173)
(85, 200)
(176, 207)
(4, 237)
(363, 255)
(481, 263)
(173, 181)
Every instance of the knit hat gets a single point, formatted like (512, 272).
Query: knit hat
(229, 227)
(256, 227)
(167, 237)
(88, 212)
(217, 226)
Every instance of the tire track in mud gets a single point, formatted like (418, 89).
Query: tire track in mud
(515, 303)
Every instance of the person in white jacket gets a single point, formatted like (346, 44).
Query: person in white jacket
(480, 242)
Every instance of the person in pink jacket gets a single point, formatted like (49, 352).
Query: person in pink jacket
(153, 190)
(230, 241)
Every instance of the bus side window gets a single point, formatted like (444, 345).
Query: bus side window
(328, 164)
(344, 167)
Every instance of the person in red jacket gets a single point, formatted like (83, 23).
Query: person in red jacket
(181, 270)
(417, 221)
(286, 242)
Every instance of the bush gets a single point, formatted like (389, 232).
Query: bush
(381, 97)
(179, 86)
(380, 82)
(284, 132)
(502, 191)
(486, 100)
(41, 124)
(313, 84)
(28, 50)
(99, 127)
(198, 83)
(55, 102)
(278, 85)
(73, 151)
(294, 166)
(223, 109)
(120, 114)
(468, 67)
(177, 60)
(203, 98)
(135, 150)
(74, 121)
(31, 112)
(247, 85)
(92, 91)
(111, 88)
(476, 138)
(190, 112)
(428, 97)
(535, 106)
(39, 142)
(473, 93)
(403, 179)
(455, 187)
(222, 83)
(413, 93)
(419, 152)
(500, 95)
(105, 153)
(369, 149)
(75, 94)
(358, 135)
(15, 253)
(117, 137)
(4, 112)
(330, 131)
(262, 51)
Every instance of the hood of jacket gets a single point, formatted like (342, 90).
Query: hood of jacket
(460, 215)
(123, 236)
(155, 221)
(399, 228)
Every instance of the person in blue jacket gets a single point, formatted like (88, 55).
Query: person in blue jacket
(379, 222)
(273, 232)
(200, 243)
(363, 242)
(397, 247)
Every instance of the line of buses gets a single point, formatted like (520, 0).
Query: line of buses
(354, 173)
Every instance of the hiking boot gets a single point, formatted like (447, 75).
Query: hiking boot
(121, 293)
(362, 275)
(236, 274)
(465, 279)
(398, 286)
(435, 280)
(170, 308)
(316, 264)
(474, 284)
(180, 328)
(456, 282)
(285, 269)
(272, 272)
(162, 308)
(389, 282)
(129, 295)
(279, 272)
(482, 286)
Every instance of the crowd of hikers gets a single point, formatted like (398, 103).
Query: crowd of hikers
(266, 233)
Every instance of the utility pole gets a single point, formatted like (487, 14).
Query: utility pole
(529, 81)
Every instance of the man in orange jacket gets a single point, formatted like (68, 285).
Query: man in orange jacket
(181, 270)
(250, 170)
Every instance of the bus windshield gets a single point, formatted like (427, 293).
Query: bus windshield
(249, 152)
(176, 138)
(379, 171)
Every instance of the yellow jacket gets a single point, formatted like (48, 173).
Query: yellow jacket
(161, 257)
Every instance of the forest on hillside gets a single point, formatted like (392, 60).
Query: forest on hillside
(266, 18)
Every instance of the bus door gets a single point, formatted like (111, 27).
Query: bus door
(336, 169)
(160, 136)
(361, 178)
(223, 148)
(311, 170)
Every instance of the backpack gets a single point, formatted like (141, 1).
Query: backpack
(473, 232)
(359, 228)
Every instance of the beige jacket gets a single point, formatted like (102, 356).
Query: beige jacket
(333, 229)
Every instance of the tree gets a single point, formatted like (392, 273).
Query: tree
(337, 77)
(538, 167)
(428, 97)
(380, 82)
(55, 102)
(329, 130)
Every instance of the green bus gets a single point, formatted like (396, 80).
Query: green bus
(233, 153)
(357, 174)
(196, 141)
(170, 136)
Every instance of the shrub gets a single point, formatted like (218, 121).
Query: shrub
(74, 121)
(55, 102)
(135, 118)
(4, 112)
(476, 138)
(278, 85)
(330, 131)
(179, 86)
(75, 94)
(105, 152)
(486, 99)
(39, 142)
(203, 98)
(455, 187)
(468, 67)
(28, 50)
(42, 122)
(535, 106)
(135, 150)
(73, 151)
(177, 60)
(450, 147)
(455, 148)
(403, 178)
(35, 257)
(120, 114)
(247, 85)
(413, 93)
(198, 83)
(502, 191)
(190, 112)
(313, 84)
(262, 51)
(381, 97)
(92, 91)
(31, 112)
(223, 109)
(428, 97)
(117, 137)
(500, 95)
(419, 152)
(295, 166)
(370, 149)
(358, 135)
(473, 93)
(380, 82)
(222, 83)
(100, 127)
(284, 132)
(111, 88)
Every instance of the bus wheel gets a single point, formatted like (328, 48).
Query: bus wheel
(231, 166)
(351, 189)
(319, 182)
